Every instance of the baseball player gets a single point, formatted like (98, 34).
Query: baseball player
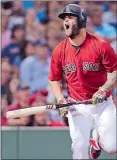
(90, 67)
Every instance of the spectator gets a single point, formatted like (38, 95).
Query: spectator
(12, 50)
(104, 4)
(114, 45)
(41, 11)
(103, 29)
(34, 69)
(28, 4)
(31, 23)
(23, 100)
(27, 49)
(6, 33)
(53, 36)
(12, 91)
(7, 6)
(5, 77)
(83, 4)
(110, 16)
(17, 16)
(3, 109)
(54, 7)
(41, 97)
(42, 119)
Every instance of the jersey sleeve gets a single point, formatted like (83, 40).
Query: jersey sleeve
(109, 58)
(55, 73)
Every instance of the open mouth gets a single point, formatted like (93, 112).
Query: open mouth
(67, 26)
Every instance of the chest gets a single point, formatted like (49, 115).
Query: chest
(38, 68)
(13, 50)
(83, 60)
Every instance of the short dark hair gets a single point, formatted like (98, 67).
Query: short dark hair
(93, 9)
(41, 43)
(22, 86)
(15, 28)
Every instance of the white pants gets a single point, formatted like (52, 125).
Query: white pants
(101, 118)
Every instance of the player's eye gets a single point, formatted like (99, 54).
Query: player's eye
(64, 17)
(70, 17)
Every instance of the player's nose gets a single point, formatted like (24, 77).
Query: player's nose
(66, 18)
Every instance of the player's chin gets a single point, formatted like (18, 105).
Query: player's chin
(68, 33)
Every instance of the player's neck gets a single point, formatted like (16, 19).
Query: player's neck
(79, 39)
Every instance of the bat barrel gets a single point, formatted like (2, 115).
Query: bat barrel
(25, 112)
(35, 110)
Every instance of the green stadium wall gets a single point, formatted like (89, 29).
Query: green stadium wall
(38, 143)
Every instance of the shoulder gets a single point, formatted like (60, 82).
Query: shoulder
(100, 44)
(60, 46)
(107, 15)
(49, 60)
(98, 40)
(108, 27)
(28, 61)
(7, 47)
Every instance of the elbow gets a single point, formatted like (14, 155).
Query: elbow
(53, 83)
(50, 82)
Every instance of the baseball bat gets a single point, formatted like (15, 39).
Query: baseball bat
(34, 110)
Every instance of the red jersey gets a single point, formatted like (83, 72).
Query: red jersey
(85, 69)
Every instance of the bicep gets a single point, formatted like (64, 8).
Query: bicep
(55, 73)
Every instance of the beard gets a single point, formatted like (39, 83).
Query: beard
(72, 31)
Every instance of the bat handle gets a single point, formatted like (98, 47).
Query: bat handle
(64, 105)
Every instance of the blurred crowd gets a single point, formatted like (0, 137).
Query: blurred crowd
(30, 31)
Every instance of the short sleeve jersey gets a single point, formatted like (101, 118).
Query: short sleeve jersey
(85, 69)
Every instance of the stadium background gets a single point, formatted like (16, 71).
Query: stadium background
(30, 30)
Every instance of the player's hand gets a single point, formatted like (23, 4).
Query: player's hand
(99, 97)
(64, 110)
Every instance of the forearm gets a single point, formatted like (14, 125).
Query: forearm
(56, 88)
(14, 122)
(111, 81)
(18, 122)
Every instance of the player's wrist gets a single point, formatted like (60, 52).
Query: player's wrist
(103, 89)
(60, 98)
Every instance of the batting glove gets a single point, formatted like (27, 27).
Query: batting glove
(99, 97)
(64, 110)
